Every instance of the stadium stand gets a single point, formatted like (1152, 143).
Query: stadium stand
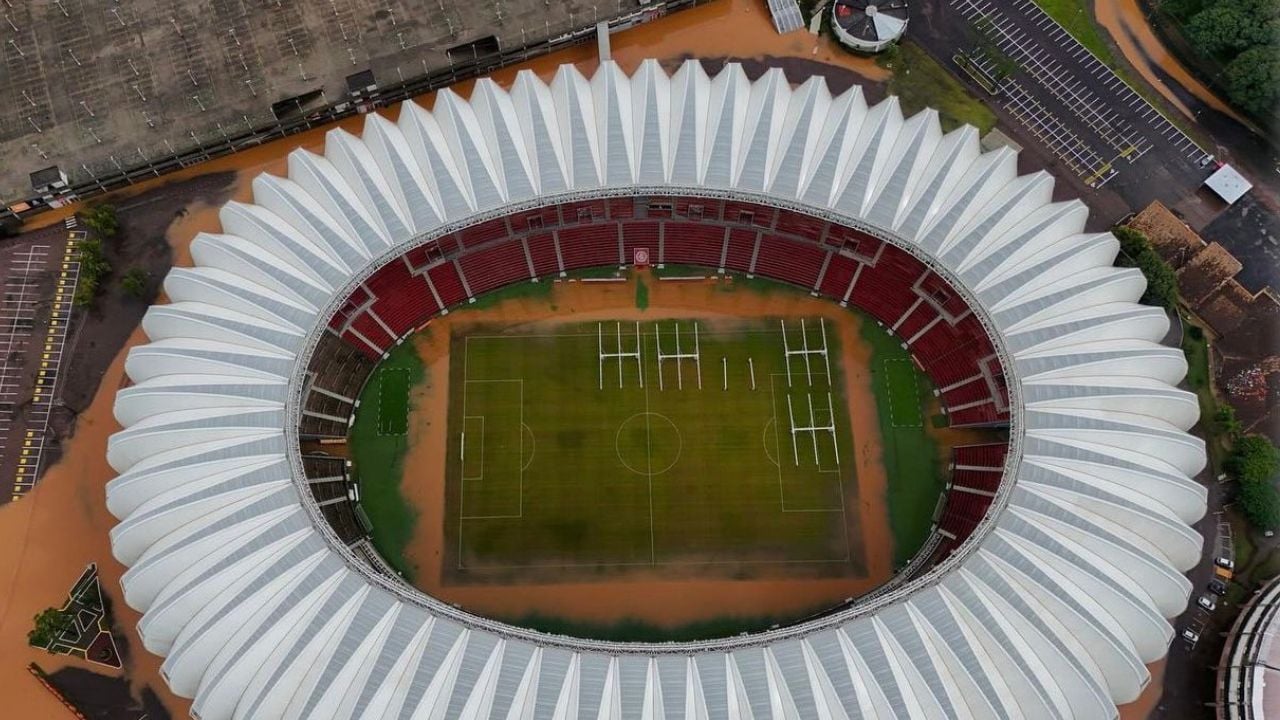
(847, 265)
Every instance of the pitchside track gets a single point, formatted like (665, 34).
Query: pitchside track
(648, 444)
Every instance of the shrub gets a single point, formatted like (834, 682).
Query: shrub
(93, 267)
(49, 624)
(1162, 283)
(134, 283)
(1224, 419)
(102, 220)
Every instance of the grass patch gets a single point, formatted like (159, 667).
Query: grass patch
(1074, 17)
(1267, 567)
(910, 456)
(393, 400)
(517, 291)
(903, 393)
(642, 295)
(1196, 347)
(920, 82)
(378, 457)
(604, 271)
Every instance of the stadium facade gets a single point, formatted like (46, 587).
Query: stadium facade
(1050, 608)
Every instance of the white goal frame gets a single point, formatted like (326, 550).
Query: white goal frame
(813, 428)
(695, 356)
(619, 354)
(805, 351)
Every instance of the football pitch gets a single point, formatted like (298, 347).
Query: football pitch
(668, 442)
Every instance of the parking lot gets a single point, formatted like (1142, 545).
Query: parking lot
(1088, 117)
(38, 280)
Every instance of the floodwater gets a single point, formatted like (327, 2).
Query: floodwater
(1146, 703)
(49, 536)
(724, 29)
(650, 595)
(1124, 21)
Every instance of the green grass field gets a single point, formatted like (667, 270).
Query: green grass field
(559, 472)
(910, 455)
(378, 452)
(565, 459)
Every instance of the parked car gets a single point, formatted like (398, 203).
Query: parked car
(1217, 587)
(1191, 636)
(1207, 602)
(1225, 562)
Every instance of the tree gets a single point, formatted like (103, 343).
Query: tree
(1224, 419)
(93, 267)
(1223, 29)
(49, 624)
(1261, 504)
(102, 220)
(1253, 459)
(1253, 79)
(134, 283)
(1162, 283)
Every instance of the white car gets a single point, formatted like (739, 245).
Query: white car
(1207, 602)
(1225, 562)
(1191, 636)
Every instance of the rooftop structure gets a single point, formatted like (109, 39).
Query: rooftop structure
(869, 25)
(1051, 607)
(1250, 660)
(1227, 183)
(115, 91)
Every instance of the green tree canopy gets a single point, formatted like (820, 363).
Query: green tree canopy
(1253, 459)
(1261, 504)
(1253, 79)
(102, 220)
(134, 283)
(1230, 27)
(1224, 419)
(48, 625)
(1162, 283)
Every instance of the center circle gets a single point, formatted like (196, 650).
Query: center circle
(648, 443)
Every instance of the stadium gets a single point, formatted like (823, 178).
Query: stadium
(1054, 559)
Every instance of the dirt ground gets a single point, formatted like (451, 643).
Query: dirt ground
(54, 531)
(49, 536)
(1124, 21)
(652, 596)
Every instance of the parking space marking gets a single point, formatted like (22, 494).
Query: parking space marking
(1091, 109)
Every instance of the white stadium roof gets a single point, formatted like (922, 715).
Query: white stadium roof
(1050, 611)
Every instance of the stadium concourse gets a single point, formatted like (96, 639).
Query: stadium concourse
(1058, 558)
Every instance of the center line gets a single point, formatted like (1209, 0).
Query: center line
(648, 454)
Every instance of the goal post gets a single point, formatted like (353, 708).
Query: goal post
(813, 429)
(622, 356)
(804, 351)
(679, 356)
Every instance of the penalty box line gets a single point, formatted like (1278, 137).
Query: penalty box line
(462, 458)
(915, 391)
(382, 390)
